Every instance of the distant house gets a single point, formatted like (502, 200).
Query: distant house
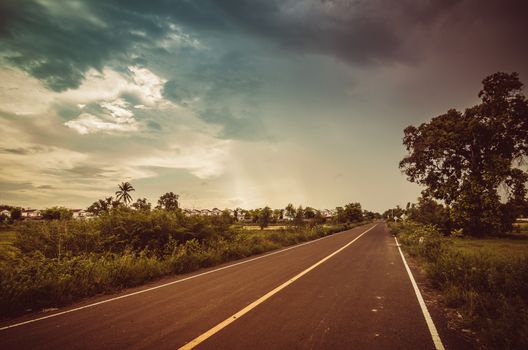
(327, 214)
(5, 213)
(287, 217)
(80, 214)
(29, 213)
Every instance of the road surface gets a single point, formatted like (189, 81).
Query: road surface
(346, 291)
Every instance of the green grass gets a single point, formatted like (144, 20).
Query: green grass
(496, 246)
(486, 280)
(269, 228)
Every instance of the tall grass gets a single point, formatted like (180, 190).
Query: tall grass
(489, 288)
(40, 278)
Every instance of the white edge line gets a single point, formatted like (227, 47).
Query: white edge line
(201, 338)
(430, 324)
(169, 283)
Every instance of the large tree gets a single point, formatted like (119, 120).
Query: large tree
(471, 160)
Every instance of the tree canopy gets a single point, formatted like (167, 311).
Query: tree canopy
(123, 194)
(471, 160)
(169, 201)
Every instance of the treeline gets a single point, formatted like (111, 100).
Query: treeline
(427, 211)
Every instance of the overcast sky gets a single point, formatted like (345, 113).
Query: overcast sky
(236, 103)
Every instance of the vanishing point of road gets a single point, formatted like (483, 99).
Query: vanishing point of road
(351, 290)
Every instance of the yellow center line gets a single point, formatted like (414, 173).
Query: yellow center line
(201, 338)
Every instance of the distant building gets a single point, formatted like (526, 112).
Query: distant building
(5, 213)
(80, 214)
(29, 213)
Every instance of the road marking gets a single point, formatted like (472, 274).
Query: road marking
(201, 338)
(168, 284)
(430, 324)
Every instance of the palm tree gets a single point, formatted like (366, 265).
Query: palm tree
(123, 193)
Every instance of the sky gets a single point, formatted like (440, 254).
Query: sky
(236, 103)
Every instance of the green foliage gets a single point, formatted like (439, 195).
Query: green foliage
(489, 288)
(169, 201)
(465, 158)
(142, 204)
(123, 193)
(350, 213)
(56, 213)
(102, 206)
(58, 261)
(16, 214)
(265, 217)
(430, 212)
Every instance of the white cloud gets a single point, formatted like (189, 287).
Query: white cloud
(87, 123)
(202, 160)
(105, 89)
(147, 84)
(118, 109)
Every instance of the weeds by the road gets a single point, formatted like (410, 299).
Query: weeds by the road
(60, 262)
(488, 286)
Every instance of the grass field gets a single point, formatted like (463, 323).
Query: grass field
(269, 228)
(483, 278)
(506, 247)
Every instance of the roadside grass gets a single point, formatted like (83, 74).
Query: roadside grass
(31, 281)
(486, 280)
(268, 228)
(503, 247)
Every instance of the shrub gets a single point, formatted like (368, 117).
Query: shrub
(489, 289)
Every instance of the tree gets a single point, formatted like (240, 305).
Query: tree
(299, 216)
(142, 204)
(103, 206)
(290, 211)
(471, 160)
(278, 215)
(309, 213)
(56, 213)
(430, 212)
(123, 194)
(353, 212)
(264, 217)
(169, 201)
(16, 214)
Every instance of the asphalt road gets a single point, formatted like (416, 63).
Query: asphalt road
(359, 298)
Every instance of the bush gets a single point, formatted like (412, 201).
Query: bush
(60, 261)
(489, 289)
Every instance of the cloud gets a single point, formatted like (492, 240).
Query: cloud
(59, 42)
(87, 123)
(245, 127)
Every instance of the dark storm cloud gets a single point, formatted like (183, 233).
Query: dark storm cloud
(57, 43)
(222, 91)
